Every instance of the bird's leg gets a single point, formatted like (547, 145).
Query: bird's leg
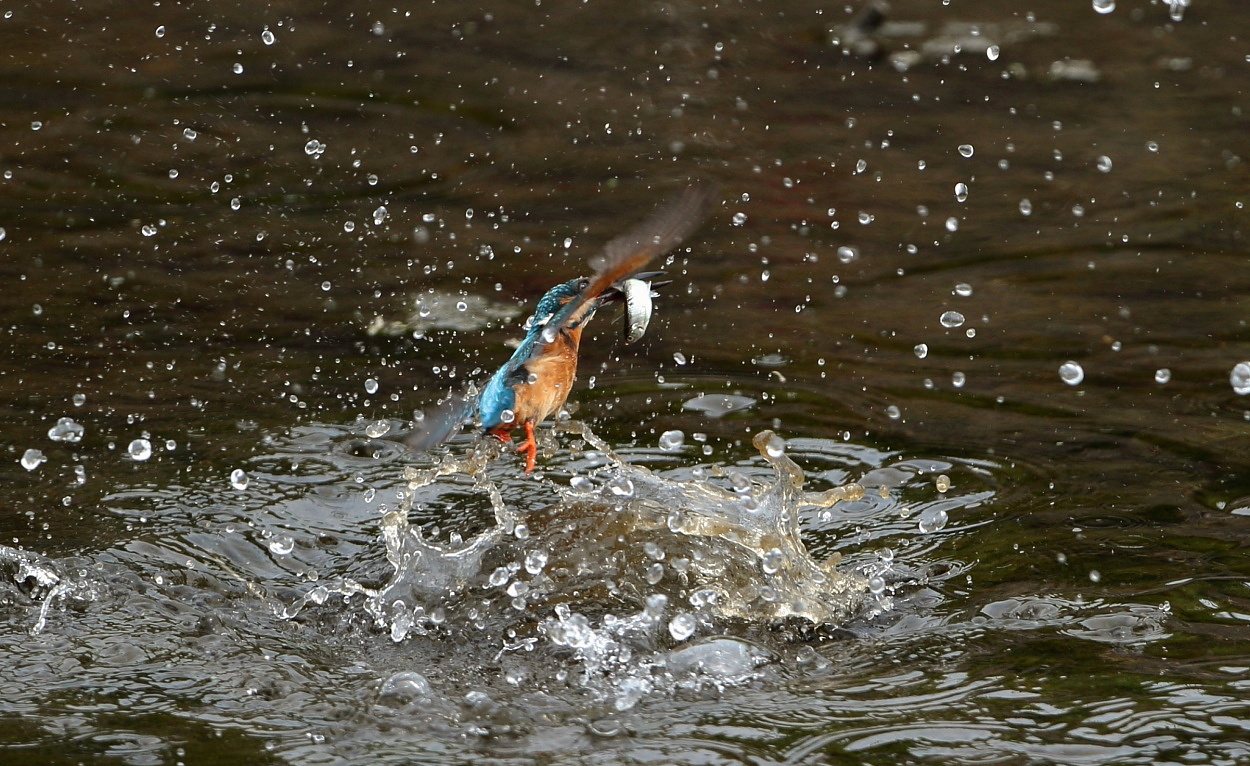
(529, 447)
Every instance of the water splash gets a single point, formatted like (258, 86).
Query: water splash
(623, 568)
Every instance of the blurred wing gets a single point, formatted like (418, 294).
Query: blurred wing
(662, 231)
(442, 421)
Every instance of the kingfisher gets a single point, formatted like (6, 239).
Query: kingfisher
(536, 381)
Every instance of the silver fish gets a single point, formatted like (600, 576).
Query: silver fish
(637, 308)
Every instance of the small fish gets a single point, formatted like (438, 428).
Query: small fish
(638, 297)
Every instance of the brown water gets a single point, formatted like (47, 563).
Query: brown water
(202, 223)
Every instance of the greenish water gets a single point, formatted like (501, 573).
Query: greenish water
(195, 256)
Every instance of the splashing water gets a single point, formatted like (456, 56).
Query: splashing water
(624, 566)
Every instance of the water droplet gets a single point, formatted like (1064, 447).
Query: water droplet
(160, 31)
(655, 573)
(621, 486)
(31, 459)
(1240, 378)
(771, 561)
(847, 254)
(1072, 374)
(267, 37)
(922, 350)
(682, 626)
(952, 224)
(1095, 575)
(380, 215)
(892, 412)
(349, 226)
(931, 520)
(963, 289)
(942, 483)
(377, 429)
(1026, 207)
(1176, 9)
(237, 68)
(1152, 146)
(961, 192)
(189, 134)
(958, 379)
(371, 386)
(507, 416)
(992, 52)
(739, 219)
(66, 430)
(672, 441)
(79, 400)
(281, 545)
(774, 446)
(535, 561)
(951, 319)
(139, 449)
(1104, 6)
(148, 230)
(1162, 375)
(1104, 164)
(36, 125)
(966, 150)
(865, 218)
(498, 577)
(235, 203)
(679, 357)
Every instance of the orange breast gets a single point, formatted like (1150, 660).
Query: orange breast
(553, 371)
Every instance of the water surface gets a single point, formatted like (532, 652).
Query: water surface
(986, 263)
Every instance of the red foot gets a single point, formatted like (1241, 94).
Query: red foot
(529, 447)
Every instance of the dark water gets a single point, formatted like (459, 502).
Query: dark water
(245, 253)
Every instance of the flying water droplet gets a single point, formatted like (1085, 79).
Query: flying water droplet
(281, 545)
(1162, 375)
(961, 192)
(952, 224)
(1072, 373)
(1104, 164)
(267, 37)
(535, 561)
(66, 430)
(682, 626)
(1240, 378)
(672, 441)
(966, 150)
(371, 386)
(992, 52)
(621, 486)
(951, 319)
(1026, 207)
(139, 449)
(963, 289)
(932, 520)
(847, 254)
(238, 479)
(377, 429)
(1104, 6)
(922, 350)
(31, 459)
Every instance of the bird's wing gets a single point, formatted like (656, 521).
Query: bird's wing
(442, 420)
(662, 231)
